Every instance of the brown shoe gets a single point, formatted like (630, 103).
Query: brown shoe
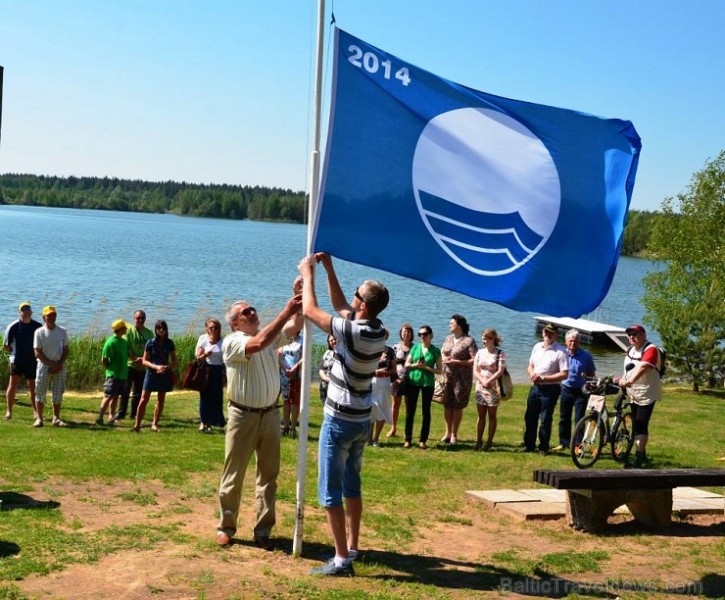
(263, 542)
(222, 539)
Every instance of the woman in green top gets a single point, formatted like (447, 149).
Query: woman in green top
(423, 364)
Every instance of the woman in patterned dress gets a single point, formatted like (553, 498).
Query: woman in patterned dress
(488, 367)
(458, 351)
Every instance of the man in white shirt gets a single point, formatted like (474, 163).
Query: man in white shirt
(51, 349)
(250, 356)
(548, 367)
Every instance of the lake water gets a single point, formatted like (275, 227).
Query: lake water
(97, 266)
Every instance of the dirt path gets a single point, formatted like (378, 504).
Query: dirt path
(456, 557)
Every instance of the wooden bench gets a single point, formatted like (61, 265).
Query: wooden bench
(592, 495)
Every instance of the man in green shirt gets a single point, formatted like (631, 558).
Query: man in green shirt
(114, 357)
(137, 336)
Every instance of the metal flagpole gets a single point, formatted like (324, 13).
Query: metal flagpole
(314, 183)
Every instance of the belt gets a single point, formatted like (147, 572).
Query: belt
(259, 411)
(346, 410)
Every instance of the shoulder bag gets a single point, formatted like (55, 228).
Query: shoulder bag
(196, 376)
(505, 383)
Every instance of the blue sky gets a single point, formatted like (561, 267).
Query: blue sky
(220, 92)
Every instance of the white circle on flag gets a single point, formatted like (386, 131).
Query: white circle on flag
(486, 188)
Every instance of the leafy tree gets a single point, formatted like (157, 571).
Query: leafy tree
(686, 301)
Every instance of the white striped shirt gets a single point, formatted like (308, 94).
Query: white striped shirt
(252, 380)
(357, 352)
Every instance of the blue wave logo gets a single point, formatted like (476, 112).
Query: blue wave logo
(486, 188)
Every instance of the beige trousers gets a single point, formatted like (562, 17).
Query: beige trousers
(249, 433)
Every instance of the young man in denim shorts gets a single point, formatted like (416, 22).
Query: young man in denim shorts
(360, 338)
(114, 357)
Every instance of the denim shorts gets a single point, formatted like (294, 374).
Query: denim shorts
(113, 387)
(340, 460)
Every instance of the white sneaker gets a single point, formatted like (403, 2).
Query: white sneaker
(38, 422)
(58, 423)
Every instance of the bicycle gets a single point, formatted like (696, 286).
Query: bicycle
(593, 429)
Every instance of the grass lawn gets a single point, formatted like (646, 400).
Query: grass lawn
(91, 511)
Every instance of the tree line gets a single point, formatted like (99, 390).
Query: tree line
(198, 200)
(218, 201)
(685, 302)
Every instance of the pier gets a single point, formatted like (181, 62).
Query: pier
(591, 332)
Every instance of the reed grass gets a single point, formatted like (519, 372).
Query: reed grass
(86, 373)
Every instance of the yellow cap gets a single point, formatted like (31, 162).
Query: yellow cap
(118, 324)
(48, 310)
(24, 305)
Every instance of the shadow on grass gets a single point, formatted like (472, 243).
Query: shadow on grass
(377, 565)
(452, 574)
(8, 549)
(15, 500)
(680, 529)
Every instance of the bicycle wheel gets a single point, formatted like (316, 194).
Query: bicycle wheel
(591, 432)
(622, 438)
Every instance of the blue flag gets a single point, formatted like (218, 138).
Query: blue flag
(507, 201)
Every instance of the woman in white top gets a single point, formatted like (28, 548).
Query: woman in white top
(209, 349)
(488, 367)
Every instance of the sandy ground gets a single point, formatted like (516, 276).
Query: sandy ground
(457, 556)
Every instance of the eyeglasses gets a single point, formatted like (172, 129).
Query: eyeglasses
(213, 326)
(248, 311)
(358, 296)
(160, 328)
(423, 334)
(634, 334)
(26, 309)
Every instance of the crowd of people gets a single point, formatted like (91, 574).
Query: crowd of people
(364, 382)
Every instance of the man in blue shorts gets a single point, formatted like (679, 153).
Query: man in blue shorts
(345, 430)
(18, 343)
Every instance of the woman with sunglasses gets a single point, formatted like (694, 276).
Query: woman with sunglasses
(159, 358)
(422, 365)
(397, 385)
(209, 349)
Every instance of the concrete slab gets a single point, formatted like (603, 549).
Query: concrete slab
(546, 495)
(691, 492)
(532, 511)
(696, 507)
(718, 503)
(495, 497)
(549, 504)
